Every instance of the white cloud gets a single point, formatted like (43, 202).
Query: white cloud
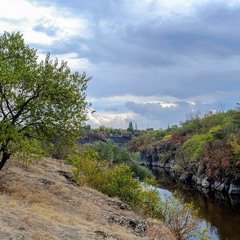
(118, 120)
(165, 101)
(74, 62)
(23, 16)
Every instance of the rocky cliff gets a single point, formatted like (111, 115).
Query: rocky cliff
(162, 154)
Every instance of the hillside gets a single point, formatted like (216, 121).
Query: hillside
(42, 202)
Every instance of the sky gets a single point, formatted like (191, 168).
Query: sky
(152, 62)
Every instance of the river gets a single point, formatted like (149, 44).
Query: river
(221, 217)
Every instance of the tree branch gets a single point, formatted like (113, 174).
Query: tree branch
(16, 116)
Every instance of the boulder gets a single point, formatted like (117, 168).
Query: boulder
(186, 178)
(219, 186)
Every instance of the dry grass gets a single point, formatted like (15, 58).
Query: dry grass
(39, 203)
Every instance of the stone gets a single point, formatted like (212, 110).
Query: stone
(186, 178)
(106, 235)
(124, 206)
(219, 186)
(139, 227)
(234, 189)
(46, 181)
(206, 182)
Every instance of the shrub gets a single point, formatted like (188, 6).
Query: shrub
(167, 137)
(28, 151)
(114, 154)
(183, 220)
(121, 184)
(140, 171)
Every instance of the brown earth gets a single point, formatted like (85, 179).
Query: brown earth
(42, 202)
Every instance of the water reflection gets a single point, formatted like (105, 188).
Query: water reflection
(221, 217)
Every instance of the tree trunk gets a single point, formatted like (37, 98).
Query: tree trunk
(5, 157)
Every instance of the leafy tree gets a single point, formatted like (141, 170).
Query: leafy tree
(38, 100)
(130, 127)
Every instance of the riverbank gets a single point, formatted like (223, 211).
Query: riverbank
(220, 217)
(162, 155)
(43, 202)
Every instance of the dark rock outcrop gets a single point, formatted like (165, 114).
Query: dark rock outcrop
(161, 155)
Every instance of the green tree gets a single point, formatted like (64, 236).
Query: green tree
(130, 127)
(39, 100)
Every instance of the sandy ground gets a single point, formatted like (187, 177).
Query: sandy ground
(41, 202)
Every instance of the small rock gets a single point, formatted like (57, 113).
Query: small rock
(206, 183)
(46, 182)
(124, 206)
(106, 235)
(139, 227)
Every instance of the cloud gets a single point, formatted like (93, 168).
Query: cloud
(116, 120)
(152, 61)
(162, 117)
(42, 25)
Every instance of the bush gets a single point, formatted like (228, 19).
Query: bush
(140, 171)
(121, 184)
(183, 220)
(28, 151)
(114, 154)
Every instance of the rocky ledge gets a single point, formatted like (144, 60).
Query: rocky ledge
(161, 155)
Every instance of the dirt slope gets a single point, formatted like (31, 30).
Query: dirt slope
(41, 202)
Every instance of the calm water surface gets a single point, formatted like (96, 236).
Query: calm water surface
(221, 217)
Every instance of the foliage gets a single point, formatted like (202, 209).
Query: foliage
(29, 151)
(60, 149)
(114, 154)
(151, 202)
(234, 142)
(192, 124)
(121, 184)
(130, 127)
(37, 100)
(89, 170)
(194, 146)
(140, 171)
(139, 143)
(109, 130)
(167, 137)
(115, 181)
(183, 220)
(217, 156)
